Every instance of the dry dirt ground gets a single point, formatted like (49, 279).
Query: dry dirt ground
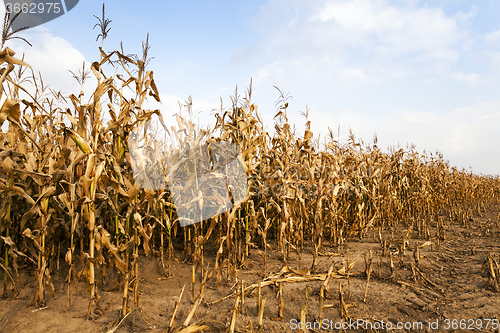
(448, 290)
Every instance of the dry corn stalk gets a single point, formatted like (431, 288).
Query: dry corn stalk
(83, 194)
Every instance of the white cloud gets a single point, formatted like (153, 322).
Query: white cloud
(465, 136)
(365, 63)
(265, 71)
(469, 78)
(492, 58)
(355, 73)
(52, 57)
(375, 37)
(492, 37)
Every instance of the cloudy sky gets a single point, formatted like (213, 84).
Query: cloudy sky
(426, 73)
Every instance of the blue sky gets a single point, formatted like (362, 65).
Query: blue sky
(426, 73)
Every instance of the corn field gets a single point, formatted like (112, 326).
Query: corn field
(68, 195)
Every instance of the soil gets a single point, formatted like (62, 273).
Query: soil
(448, 290)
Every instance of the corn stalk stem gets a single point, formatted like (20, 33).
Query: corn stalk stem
(7, 226)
